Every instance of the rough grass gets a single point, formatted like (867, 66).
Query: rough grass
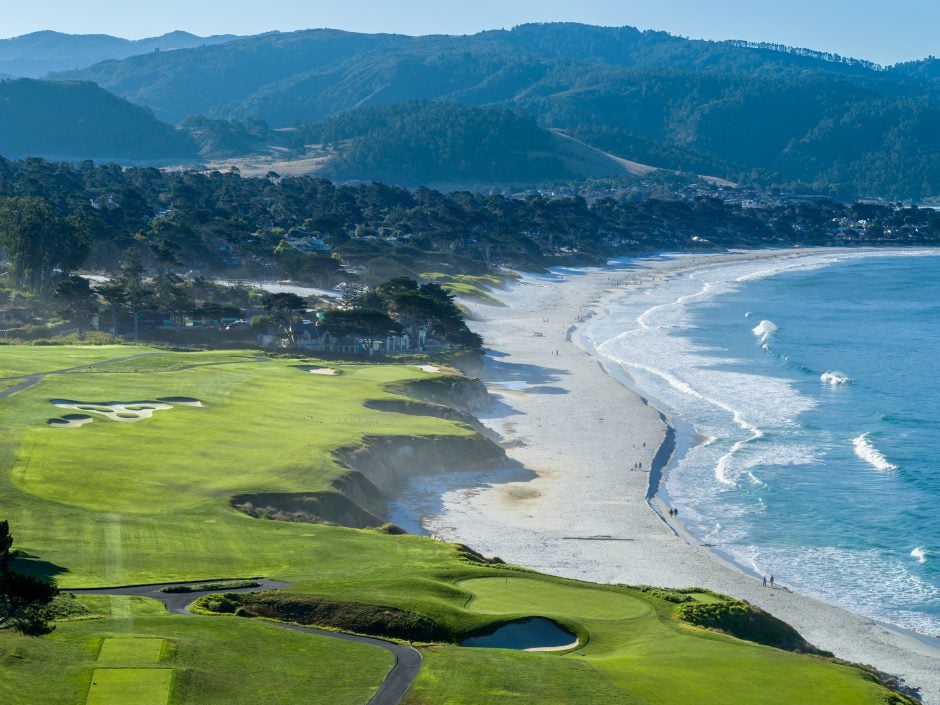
(471, 286)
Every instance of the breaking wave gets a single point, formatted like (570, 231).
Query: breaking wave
(871, 455)
(835, 378)
(764, 330)
(920, 554)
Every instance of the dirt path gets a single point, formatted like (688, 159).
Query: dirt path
(393, 689)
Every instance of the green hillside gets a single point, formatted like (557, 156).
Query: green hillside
(423, 142)
(78, 120)
(766, 113)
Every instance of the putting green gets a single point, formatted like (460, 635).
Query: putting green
(536, 597)
(130, 686)
(117, 650)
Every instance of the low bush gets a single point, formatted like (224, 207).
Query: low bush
(220, 585)
(374, 620)
(744, 621)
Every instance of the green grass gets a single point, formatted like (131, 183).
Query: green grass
(119, 503)
(471, 286)
(213, 661)
(120, 686)
(128, 503)
(130, 650)
(533, 596)
(633, 654)
(18, 360)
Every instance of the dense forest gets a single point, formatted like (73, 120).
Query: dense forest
(424, 142)
(314, 229)
(80, 120)
(753, 113)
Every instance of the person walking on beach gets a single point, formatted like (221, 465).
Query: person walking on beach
(771, 581)
(765, 581)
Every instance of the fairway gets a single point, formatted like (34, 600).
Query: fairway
(122, 686)
(117, 503)
(130, 650)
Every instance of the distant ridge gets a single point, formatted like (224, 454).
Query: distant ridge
(39, 53)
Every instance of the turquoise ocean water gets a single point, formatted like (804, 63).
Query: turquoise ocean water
(813, 386)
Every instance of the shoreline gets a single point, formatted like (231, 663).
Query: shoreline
(562, 415)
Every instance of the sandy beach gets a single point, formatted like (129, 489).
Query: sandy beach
(577, 505)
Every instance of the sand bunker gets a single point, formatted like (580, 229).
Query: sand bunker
(127, 412)
(70, 421)
(180, 401)
(428, 368)
(329, 371)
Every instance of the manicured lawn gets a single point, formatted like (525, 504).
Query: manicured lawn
(119, 686)
(118, 503)
(130, 650)
(634, 654)
(32, 359)
(212, 661)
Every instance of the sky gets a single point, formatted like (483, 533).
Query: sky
(885, 32)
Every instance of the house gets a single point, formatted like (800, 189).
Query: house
(13, 314)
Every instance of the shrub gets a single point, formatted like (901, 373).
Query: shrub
(744, 621)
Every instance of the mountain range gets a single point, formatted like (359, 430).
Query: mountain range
(748, 113)
(39, 53)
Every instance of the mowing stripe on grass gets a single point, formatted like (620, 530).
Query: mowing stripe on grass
(122, 650)
(121, 607)
(130, 686)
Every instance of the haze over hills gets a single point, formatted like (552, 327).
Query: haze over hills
(36, 54)
(779, 115)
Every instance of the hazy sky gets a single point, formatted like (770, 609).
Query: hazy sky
(880, 31)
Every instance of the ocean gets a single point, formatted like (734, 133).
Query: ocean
(808, 394)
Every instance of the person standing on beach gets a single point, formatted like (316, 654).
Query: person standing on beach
(771, 581)
(765, 581)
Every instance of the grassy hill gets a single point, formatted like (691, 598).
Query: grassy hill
(124, 500)
(75, 120)
(774, 114)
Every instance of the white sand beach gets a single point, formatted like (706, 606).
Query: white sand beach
(586, 443)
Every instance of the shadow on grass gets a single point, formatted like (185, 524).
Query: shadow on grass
(28, 564)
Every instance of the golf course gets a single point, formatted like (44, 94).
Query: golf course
(128, 466)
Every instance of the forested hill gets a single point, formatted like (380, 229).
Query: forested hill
(845, 127)
(36, 54)
(422, 142)
(69, 120)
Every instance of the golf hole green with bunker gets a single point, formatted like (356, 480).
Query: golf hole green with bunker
(313, 460)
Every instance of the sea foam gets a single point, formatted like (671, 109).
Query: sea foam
(834, 378)
(764, 330)
(920, 554)
(871, 455)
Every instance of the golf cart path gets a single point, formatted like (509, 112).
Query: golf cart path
(397, 682)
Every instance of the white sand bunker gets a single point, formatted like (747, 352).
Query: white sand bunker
(127, 412)
(328, 371)
(428, 368)
(70, 421)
